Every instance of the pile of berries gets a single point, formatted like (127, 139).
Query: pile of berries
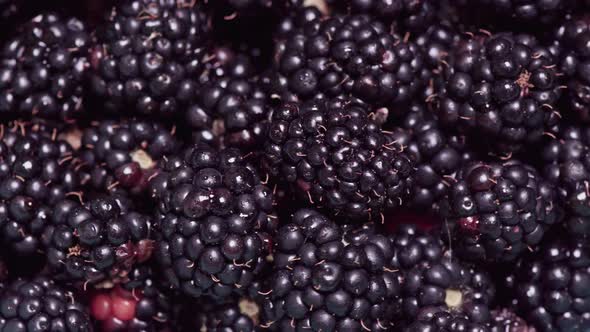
(295, 165)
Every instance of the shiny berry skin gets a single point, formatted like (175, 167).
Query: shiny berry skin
(571, 44)
(566, 164)
(551, 286)
(36, 171)
(327, 277)
(232, 109)
(100, 241)
(336, 157)
(345, 54)
(41, 305)
(214, 218)
(497, 211)
(503, 85)
(123, 154)
(148, 56)
(43, 69)
(435, 281)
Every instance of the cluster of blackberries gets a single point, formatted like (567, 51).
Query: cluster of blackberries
(317, 165)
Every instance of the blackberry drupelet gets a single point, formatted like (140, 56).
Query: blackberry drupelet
(328, 277)
(148, 56)
(503, 86)
(436, 282)
(97, 243)
(232, 109)
(41, 305)
(571, 42)
(551, 287)
(437, 154)
(35, 173)
(214, 215)
(338, 158)
(137, 305)
(345, 54)
(43, 67)
(123, 153)
(413, 15)
(566, 161)
(497, 212)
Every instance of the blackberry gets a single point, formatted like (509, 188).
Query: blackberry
(437, 154)
(41, 305)
(328, 277)
(148, 55)
(440, 319)
(98, 242)
(345, 54)
(566, 161)
(123, 153)
(504, 86)
(505, 320)
(338, 157)
(551, 287)
(232, 109)
(137, 305)
(436, 284)
(413, 15)
(42, 69)
(571, 41)
(214, 215)
(35, 174)
(496, 212)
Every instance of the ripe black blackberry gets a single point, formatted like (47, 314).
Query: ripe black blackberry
(41, 305)
(566, 162)
(345, 54)
(337, 157)
(437, 154)
(213, 216)
(148, 56)
(551, 287)
(497, 212)
(98, 242)
(42, 69)
(35, 173)
(435, 281)
(571, 42)
(232, 109)
(328, 277)
(123, 153)
(413, 15)
(504, 86)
